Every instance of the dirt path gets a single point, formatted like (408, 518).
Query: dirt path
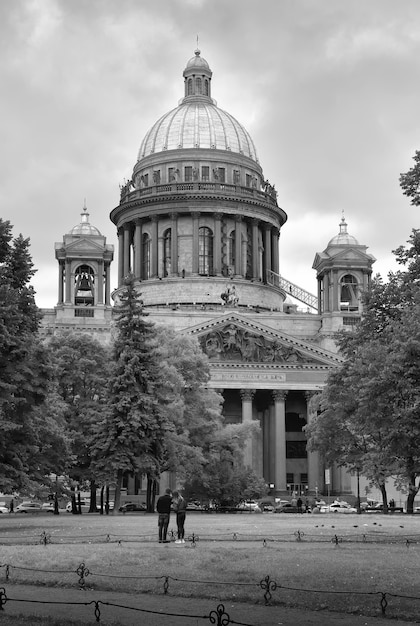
(163, 610)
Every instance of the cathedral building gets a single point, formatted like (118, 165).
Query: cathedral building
(199, 227)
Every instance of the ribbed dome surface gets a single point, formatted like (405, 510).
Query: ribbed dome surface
(84, 229)
(197, 124)
(343, 240)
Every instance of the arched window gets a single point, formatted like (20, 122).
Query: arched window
(198, 85)
(84, 288)
(167, 239)
(205, 251)
(349, 293)
(206, 87)
(189, 87)
(231, 249)
(145, 261)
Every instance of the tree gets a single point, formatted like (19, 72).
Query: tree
(410, 181)
(354, 421)
(130, 434)
(369, 408)
(24, 369)
(80, 369)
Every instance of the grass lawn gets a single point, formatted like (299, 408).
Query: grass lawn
(337, 562)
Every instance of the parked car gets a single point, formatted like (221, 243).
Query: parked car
(338, 507)
(4, 509)
(48, 506)
(132, 506)
(194, 506)
(266, 505)
(250, 505)
(286, 507)
(29, 507)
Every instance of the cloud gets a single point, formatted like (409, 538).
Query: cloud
(327, 90)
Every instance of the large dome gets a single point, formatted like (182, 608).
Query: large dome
(197, 125)
(197, 122)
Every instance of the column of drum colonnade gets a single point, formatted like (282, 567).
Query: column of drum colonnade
(275, 446)
(130, 240)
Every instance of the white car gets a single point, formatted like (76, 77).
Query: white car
(4, 509)
(338, 507)
(48, 506)
(29, 507)
(251, 505)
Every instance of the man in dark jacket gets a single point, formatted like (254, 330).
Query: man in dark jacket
(163, 507)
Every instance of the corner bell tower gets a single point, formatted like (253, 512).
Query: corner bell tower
(84, 260)
(344, 271)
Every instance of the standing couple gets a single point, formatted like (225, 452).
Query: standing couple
(163, 507)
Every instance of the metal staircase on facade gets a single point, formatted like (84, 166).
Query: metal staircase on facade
(293, 290)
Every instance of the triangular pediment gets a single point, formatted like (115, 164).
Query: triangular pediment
(235, 338)
(351, 254)
(84, 245)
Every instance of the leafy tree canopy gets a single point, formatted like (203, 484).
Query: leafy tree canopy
(24, 369)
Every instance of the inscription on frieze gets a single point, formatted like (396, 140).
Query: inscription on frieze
(249, 376)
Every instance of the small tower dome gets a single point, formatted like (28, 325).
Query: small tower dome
(84, 227)
(343, 238)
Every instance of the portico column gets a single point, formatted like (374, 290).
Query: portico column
(255, 249)
(174, 244)
(137, 248)
(280, 440)
(267, 251)
(238, 245)
(217, 256)
(247, 396)
(275, 233)
(195, 229)
(120, 256)
(126, 250)
(315, 479)
(155, 246)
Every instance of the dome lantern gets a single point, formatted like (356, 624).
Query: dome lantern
(197, 77)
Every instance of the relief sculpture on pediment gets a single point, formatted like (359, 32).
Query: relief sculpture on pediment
(231, 343)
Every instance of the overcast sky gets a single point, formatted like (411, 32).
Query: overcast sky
(328, 89)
